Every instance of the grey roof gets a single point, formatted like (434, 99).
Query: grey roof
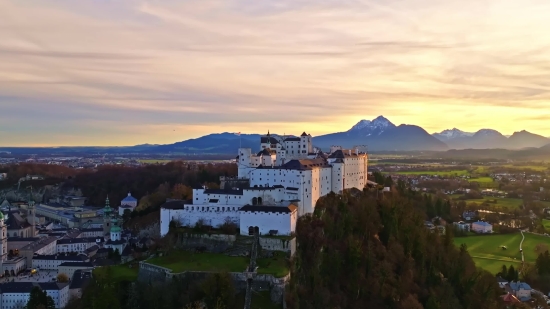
(62, 257)
(26, 287)
(266, 152)
(39, 244)
(292, 188)
(341, 154)
(305, 164)
(23, 238)
(303, 134)
(77, 264)
(223, 191)
(80, 279)
(76, 240)
(173, 205)
(270, 140)
(274, 209)
(264, 188)
(292, 139)
(95, 229)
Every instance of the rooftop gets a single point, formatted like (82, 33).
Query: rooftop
(62, 257)
(80, 279)
(41, 243)
(77, 264)
(274, 209)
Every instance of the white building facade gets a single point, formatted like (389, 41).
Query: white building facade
(482, 227)
(286, 173)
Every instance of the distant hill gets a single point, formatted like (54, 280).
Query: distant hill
(490, 139)
(379, 134)
(542, 153)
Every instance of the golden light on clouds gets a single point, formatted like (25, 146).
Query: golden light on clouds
(132, 72)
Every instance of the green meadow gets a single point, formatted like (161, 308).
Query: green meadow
(487, 252)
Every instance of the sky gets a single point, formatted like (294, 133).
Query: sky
(122, 72)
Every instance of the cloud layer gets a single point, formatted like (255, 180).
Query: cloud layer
(130, 72)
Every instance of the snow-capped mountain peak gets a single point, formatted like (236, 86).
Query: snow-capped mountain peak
(446, 135)
(487, 132)
(379, 123)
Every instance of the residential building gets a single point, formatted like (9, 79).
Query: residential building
(462, 226)
(519, 289)
(482, 227)
(469, 215)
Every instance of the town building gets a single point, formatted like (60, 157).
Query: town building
(79, 281)
(78, 245)
(52, 262)
(462, 226)
(128, 203)
(521, 290)
(482, 227)
(43, 246)
(69, 268)
(287, 173)
(15, 295)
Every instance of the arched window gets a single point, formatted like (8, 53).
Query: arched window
(254, 201)
(257, 230)
(260, 201)
(250, 230)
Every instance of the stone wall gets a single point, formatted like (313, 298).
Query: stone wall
(217, 243)
(153, 273)
(278, 244)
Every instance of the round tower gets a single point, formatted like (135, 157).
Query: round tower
(107, 211)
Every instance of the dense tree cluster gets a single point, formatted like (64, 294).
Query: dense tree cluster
(363, 252)
(117, 181)
(104, 292)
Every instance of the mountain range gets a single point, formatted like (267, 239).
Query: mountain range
(378, 134)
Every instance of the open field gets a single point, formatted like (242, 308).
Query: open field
(481, 180)
(119, 272)
(546, 224)
(510, 203)
(154, 161)
(180, 261)
(538, 168)
(433, 173)
(487, 253)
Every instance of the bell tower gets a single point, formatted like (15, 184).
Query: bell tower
(107, 217)
(31, 216)
(3, 240)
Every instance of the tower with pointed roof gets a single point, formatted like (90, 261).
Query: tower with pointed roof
(107, 212)
(31, 216)
(3, 239)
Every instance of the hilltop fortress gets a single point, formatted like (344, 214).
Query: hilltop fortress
(277, 185)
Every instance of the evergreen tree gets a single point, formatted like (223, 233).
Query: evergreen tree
(511, 273)
(503, 272)
(39, 299)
